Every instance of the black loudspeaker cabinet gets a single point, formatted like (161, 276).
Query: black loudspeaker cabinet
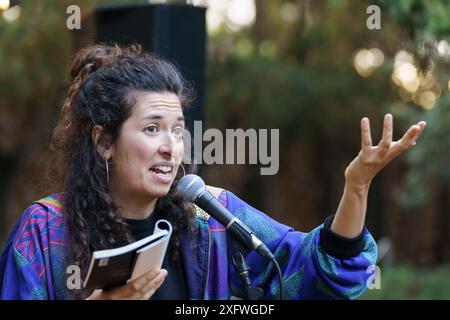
(176, 32)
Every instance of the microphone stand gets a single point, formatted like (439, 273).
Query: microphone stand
(242, 268)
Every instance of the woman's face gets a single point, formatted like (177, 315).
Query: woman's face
(149, 148)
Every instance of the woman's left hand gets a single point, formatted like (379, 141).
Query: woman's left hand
(371, 159)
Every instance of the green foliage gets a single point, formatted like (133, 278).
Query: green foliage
(289, 96)
(297, 76)
(430, 161)
(418, 16)
(402, 282)
(34, 51)
(310, 88)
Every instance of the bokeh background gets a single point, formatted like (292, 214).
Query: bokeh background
(309, 68)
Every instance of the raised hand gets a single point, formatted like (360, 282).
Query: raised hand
(371, 159)
(350, 215)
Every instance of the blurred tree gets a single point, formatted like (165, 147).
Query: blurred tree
(35, 51)
(294, 70)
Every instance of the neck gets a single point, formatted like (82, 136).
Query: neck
(134, 208)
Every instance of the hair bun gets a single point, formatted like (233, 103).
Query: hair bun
(92, 58)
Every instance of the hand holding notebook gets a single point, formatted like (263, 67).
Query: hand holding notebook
(114, 267)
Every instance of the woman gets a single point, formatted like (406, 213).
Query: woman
(119, 146)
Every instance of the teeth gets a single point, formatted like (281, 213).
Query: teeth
(165, 169)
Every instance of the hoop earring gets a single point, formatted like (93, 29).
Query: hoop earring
(184, 171)
(107, 170)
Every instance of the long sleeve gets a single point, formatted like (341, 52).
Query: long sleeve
(315, 265)
(20, 280)
(22, 271)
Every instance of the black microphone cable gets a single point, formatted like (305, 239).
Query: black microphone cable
(280, 275)
(193, 189)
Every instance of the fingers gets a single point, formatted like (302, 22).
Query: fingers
(386, 147)
(141, 288)
(386, 140)
(155, 282)
(154, 285)
(143, 280)
(422, 125)
(132, 289)
(98, 294)
(148, 284)
(408, 140)
(410, 137)
(366, 139)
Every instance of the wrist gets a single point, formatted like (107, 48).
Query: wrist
(360, 189)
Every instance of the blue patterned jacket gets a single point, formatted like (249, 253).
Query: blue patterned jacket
(315, 265)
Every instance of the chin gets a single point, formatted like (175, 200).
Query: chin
(159, 192)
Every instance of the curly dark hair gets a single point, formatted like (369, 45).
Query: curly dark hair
(103, 80)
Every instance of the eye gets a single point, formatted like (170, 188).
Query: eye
(178, 132)
(151, 129)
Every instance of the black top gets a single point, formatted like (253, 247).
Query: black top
(338, 246)
(174, 286)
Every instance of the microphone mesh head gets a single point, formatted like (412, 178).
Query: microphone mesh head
(189, 185)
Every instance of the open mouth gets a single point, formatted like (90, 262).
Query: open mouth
(163, 171)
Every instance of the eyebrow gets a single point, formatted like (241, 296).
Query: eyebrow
(159, 117)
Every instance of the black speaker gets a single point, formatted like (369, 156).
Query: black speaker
(176, 32)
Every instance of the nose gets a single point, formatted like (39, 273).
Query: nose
(167, 146)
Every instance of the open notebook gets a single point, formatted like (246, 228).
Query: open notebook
(114, 267)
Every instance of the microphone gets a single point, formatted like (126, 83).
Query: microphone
(193, 189)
